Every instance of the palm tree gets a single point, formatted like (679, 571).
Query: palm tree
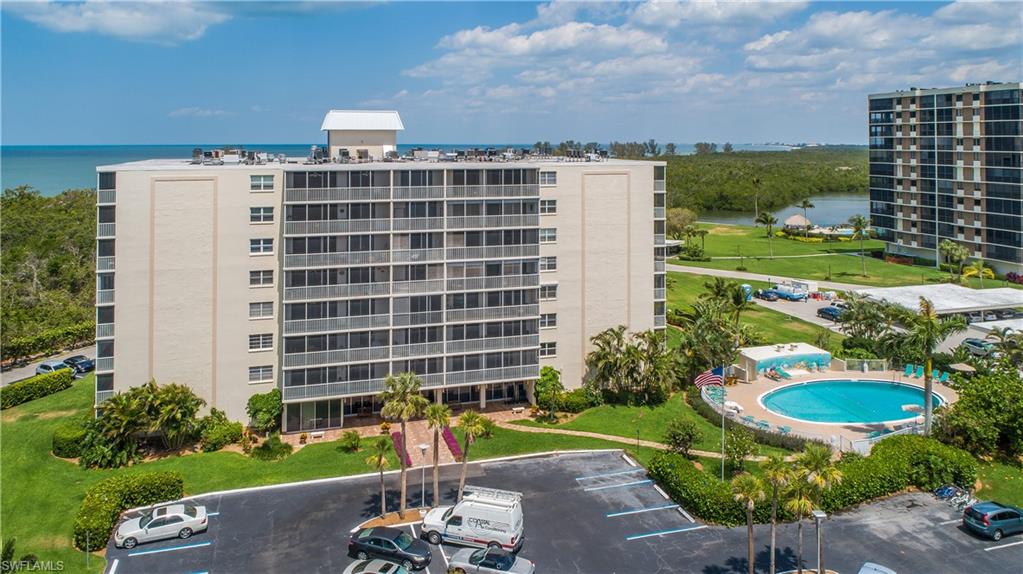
(777, 473)
(860, 226)
(438, 416)
(472, 425)
(1009, 343)
(756, 196)
(173, 415)
(821, 474)
(769, 220)
(607, 359)
(7, 561)
(980, 270)
(747, 490)
(799, 502)
(702, 234)
(924, 332)
(403, 401)
(804, 205)
(955, 255)
(377, 460)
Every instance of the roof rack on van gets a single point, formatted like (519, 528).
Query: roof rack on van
(491, 495)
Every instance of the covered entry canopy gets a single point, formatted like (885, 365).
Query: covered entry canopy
(947, 298)
(788, 356)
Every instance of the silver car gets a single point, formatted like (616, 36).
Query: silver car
(375, 566)
(172, 521)
(489, 561)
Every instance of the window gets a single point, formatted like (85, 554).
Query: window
(261, 182)
(261, 374)
(548, 292)
(261, 278)
(548, 320)
(261, 215)
(261, 310)
(548, 349)
(261, 246)
(548, 235)
(548, 263)
(548, 206)
(548, 178)
(261, 342)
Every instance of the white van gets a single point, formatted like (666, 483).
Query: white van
(485, 517)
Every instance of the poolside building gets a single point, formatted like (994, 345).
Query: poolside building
(237, 273)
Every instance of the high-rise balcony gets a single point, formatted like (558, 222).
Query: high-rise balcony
(336, 291)
(337, 194)
(421, 318)
(493, 344)
(524, 190)
(106, 196)
(502, 282)
(658, 185)
(417, 223)
(336, 226)
(659, 239)
(105, 230)
(102, 396)
(104, 330)
(417, 255)
(104, 296)
(659, 321)
(493, 221)
(659, 266)
(492, 313)
(659, 213)
(336, 357)
(336, 259)
(494, 252)
(104, 364)
(491, 375)
(105, 263)
(417, 350)
(332, 390)
(660, 294)
(301, 326)
(419, 192)
(425, 286)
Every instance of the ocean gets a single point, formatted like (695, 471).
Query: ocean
(54, 168)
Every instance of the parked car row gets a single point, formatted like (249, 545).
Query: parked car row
(80, 364)
(995, 315)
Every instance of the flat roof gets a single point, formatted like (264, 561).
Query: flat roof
(1011, 324)
(362, 120)
(947, 298)
(971, 88)
(771, 351)
(298, 164)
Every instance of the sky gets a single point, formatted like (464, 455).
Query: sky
(107, 72)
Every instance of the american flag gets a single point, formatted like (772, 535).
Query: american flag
(710, 377)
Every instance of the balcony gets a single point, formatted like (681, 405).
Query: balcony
(104, 330)
(105, 263)
(104, 364)
(659, 239)
(417, 223)
(488, 375)
(421, 318)
(336, 291)
(417, 350)
(491, 313)
(526, 190)
(493, 344)
(660, 294)
(102, 396)
(426, 286)
(659, 321)
(336, 357)
(658, 185)
(337, 194)
(332, 390)
(336, 259)
(104, 296)
(419, 192)
(299, 326)
(493, 221)
(659, 213)
(493, 252)
(417, 255)
(659, 266)
(504, 282)
(106, 196)
(338, 226)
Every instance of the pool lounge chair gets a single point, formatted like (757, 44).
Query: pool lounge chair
(782, 372)
(909, 370)
(748, 419)
(919, 372)
(944, 377)
(935, 375)
(784, 429)
(762, 423)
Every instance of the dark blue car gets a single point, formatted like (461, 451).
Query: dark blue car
(81, 364)
(830, 312)
(993, 519)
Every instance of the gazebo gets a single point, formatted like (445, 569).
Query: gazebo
(797, 222)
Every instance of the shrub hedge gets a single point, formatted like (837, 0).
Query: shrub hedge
(106, 500)
(36, 387)
(789, 442)
(49, 340)
(68, 438)
(576, 400)
(700, 493)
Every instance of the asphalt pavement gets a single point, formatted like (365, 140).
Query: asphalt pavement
(18, 373)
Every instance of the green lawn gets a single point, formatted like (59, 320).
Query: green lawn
(727, 241)
(1001, 482)
(648, 422)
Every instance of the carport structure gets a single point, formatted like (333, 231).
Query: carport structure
(948, 299)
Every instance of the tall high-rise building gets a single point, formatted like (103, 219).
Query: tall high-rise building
(945, 164)
(236, 274)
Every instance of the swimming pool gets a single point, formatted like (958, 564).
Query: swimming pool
(846, 401)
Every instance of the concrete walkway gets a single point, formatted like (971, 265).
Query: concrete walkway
(731, 274)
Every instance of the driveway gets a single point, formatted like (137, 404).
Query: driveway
(591, 513)
(16, 374)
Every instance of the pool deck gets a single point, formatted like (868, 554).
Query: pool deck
(748, 394)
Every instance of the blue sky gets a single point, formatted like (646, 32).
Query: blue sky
(464, 72)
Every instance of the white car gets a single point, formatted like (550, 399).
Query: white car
(485, 517)
(171, 521)
(489, 561)
(375, 566)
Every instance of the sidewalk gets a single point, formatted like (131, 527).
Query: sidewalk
(758, 277)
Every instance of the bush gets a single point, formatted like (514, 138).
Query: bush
(577, 400)
(681, 435)
(68, 438)
(350, 441)
(49, 340)
(788, 442)
(700, 493)
(488, 425)
(106, 500)
(739, 445)
(265, 410)
(271, 449)
(216, 431)
(35, 387)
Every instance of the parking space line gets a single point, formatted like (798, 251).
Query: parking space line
(642, 510)
(947, 522)
(686, 514)
(623, 485)
(412, 527)
(212, 514)
(630, 471)
(1003, 546)
(663, 532)
(113, 566)
(170, 549)
(629, 460)
(661, 492)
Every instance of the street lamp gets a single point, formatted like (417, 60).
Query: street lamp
(818, 516)
(423, 447)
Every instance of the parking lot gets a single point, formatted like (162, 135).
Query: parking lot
(584, 513)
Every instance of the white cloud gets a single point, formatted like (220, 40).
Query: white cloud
(196, 112)
(163, 22)
(671, 13)
(508, 41)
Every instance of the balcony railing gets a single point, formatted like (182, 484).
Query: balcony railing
(335, 291)
(658, 185)
(336, 259)
(338, 226)
(659, 213)
(105, 296)
(660, 294)
(417, 223)
(423, 318)
(104, 330)
(336, 357)
(526, 190)
(659, 266)
(417, 255)
(298, 326)
(417, 350)
(339, 389)
(491, 221)
(105, 229)
(498, 374)
(488, 313)
(102, 396)
(105, 263)
(493, 252)
(659, 239)
(104, 364)
(659, 321)
(493, 344)
(426, 286)
(106, 196)
(419, 192)
(505, 282)
(337, 194)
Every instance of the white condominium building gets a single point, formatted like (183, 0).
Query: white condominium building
(238, 273)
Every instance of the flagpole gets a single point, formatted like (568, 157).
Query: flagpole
(723, 395)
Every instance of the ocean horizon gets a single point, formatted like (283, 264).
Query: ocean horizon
(54, 168)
